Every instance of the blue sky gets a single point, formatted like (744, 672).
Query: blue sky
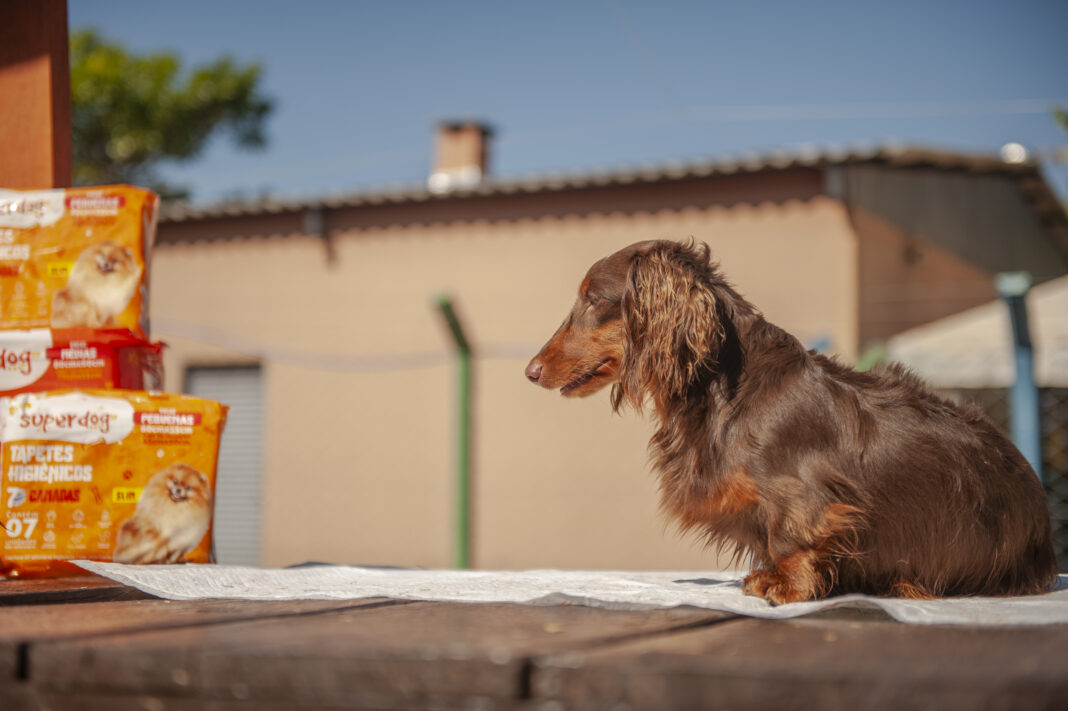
(604, 84)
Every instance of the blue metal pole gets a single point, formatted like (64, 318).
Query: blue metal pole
(1024, 404)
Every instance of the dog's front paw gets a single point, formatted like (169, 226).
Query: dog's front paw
(756, 583)
(773, 586)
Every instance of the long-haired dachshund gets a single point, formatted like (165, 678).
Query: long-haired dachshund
(832, 480)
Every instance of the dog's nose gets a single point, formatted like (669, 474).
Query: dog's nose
(534, 370)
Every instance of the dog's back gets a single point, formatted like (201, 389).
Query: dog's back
(949, 504)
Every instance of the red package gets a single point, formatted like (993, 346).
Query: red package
(44, 359)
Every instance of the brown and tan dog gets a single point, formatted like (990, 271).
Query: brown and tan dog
(831, 480)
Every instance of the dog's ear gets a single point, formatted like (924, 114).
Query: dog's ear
(672, 331)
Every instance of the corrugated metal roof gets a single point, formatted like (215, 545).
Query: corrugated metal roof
(1027, 173)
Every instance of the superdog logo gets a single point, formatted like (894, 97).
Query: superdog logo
(16, 361)
(65, 417)
(23, 357)
(46, 422)
(24, 210)
(32, 209)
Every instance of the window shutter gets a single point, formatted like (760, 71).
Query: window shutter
(238, 486)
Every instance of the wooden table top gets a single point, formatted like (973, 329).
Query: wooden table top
(89, 643)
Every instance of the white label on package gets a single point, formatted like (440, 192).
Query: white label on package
(23, 210)
(23, 357)
(71, 417)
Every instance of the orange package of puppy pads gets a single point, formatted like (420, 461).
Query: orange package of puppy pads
(42, 359)
(76, 258)
(106, 475)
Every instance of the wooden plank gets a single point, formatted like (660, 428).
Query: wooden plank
(822, 663)
(21, 627)
(18, 696)
(81, 588)
(35, 128)
(384, 656)
(47, 701)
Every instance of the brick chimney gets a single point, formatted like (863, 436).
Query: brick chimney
(461, 156)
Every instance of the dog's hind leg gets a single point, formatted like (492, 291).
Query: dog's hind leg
(910, 591)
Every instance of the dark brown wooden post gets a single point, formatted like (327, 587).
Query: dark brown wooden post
(35, 133)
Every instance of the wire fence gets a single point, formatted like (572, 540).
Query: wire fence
(1054, 416)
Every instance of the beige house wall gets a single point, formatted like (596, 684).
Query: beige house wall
(359, 459)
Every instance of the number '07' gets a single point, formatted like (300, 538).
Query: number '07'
(16, 527)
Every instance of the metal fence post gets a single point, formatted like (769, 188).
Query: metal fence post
(1024, 404)
(463, 434)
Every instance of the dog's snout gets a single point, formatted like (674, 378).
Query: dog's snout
(534, 370)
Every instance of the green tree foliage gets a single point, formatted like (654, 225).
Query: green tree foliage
(131, 112)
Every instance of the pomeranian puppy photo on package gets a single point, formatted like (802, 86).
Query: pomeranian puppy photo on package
(101, 283)
(172, 517)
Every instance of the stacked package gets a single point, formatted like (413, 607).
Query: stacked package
(95, 463)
